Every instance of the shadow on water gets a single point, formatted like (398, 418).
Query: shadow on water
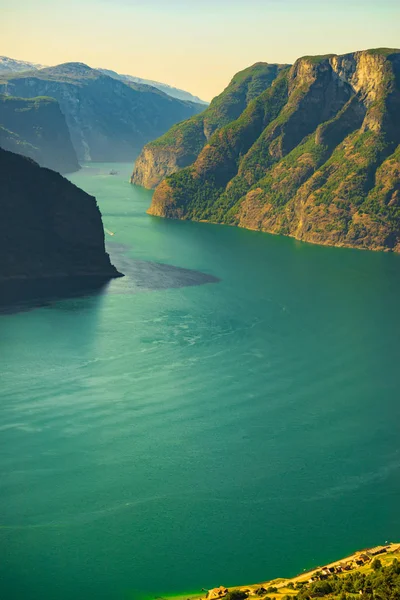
(140, 276)
(23, 295)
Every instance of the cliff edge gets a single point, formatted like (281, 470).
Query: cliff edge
(49, 228)
(36, 127)
(315, 156)
(181, 145)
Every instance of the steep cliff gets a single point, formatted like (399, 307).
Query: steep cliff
(315, 157)
(49, 228)
(180, 146)
(36, 128)
(108, 119)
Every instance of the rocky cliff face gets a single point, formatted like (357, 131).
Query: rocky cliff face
(315, 157)
(180, 146)
(108, 119)
(36, 128)
(49, 228)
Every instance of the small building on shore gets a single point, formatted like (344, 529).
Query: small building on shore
(217, 593)
(377, 550)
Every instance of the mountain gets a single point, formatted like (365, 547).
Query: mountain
(10, 65)
(316, 156)
(180, 146)
(164, 87)
(49, 228)
(109, 120)
(36, 128)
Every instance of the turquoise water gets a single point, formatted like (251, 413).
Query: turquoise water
(227, 423)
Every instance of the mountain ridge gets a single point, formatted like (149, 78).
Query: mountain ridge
(315, 156)
(170, 90)
(108, 119)
(11, 65)
(181, 145)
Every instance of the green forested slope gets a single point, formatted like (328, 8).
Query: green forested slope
(181, 145)
(315, 156)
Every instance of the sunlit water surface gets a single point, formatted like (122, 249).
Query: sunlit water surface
(227, 413)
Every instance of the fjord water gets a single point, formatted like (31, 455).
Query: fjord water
(183, 429)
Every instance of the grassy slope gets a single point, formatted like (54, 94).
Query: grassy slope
(180, 146)
(226, 107)
(197, 188)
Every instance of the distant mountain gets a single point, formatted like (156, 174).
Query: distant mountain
(316, 156)
(10, 65)
(164, 87)
(49, 228)
(108, 119)
(37, 128)
(180, 146)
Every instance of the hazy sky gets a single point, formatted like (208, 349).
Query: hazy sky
(197, 45)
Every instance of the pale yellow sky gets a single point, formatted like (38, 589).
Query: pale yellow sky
(195, 45)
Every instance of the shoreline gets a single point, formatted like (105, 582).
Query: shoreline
(388, 551)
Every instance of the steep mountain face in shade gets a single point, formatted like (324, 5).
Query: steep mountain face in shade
(109, 120)
(163, 87)
(316, 156)
(49, 228)
(36, 128)
(180, 146)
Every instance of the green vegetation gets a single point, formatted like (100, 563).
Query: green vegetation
(181, 145)
(188, 135)
(373, 574)
(316, 60)
(309, 157)
(381, 583)
(383, 201)
(219, 160)
(236, 595)
(383, 51)
(244, 87)
(355, 162)
(376, 564)
(27, 102)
